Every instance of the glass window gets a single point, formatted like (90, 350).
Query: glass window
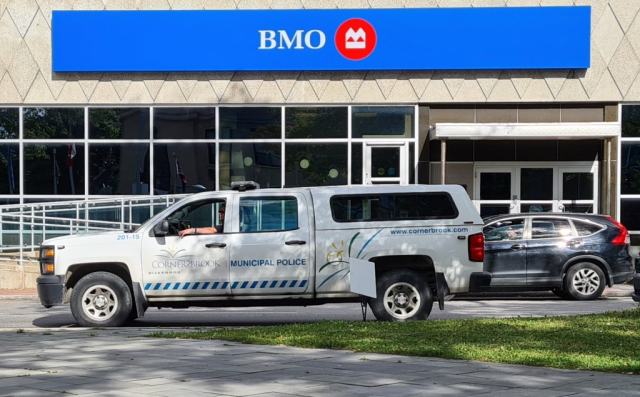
(487, 210)
(577, 186)
(491, 150)
(184, 123)
(389, 207)
(536, 207)
(54, 169)
(9, 169)
(508, 229)
(119, 123)
(631, 121)
(201, 214)
(321, 164)
(119, 168)
(630, 213)
(382, 122)
(550, 228)
(495, 186)
(53, 123)
(385, 162)
(577, 208)
(258, 162)
(356, 163)
(536, 183)
(250, 123)
(317, 122)
(268, 214)
(9, 123)
(630, 168)
(538, 150)
(586, 229)
(184, 168)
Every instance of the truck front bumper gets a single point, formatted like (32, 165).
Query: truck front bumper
(480, 282)
(51, 290)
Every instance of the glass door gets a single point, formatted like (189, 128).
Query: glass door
(495, 190)
(385, 163)
(537, 190)
(578, 189)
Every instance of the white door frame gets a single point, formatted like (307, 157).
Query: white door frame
(403, 174)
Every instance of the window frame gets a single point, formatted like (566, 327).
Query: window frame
(361, 195)
(568, 220)
(524, 229)
(282, 198)
(224, 201)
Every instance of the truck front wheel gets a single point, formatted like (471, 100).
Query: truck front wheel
(101, 299)
(402, 295)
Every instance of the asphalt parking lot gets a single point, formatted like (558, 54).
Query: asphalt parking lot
(28, 313)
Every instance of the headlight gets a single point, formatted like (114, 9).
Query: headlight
(47, 258)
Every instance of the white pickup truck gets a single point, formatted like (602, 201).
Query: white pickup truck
(275, 247)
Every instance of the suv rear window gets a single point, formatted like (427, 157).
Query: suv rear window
(393, 207)
(586, 229)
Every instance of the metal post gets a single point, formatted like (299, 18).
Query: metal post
(443, 161)
(608, 155)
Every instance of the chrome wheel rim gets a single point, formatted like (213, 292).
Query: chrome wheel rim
(99, 302)
(586, 281)
(401, 300)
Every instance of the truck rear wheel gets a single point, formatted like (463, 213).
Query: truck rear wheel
(101, 299)
(402, 295)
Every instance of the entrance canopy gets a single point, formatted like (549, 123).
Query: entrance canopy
(525, 131)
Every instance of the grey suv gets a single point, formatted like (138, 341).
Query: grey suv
(574, 255)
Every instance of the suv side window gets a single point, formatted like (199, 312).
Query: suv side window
(506, 230)
(194, 215)
(268, 214)
(586, 229)
(550, 228)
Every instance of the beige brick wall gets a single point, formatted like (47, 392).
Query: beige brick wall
(26, 77)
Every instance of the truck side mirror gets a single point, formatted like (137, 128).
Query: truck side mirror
(161, 228)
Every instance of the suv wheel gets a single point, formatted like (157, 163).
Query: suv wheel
(402, 295)
(584, 281)
(101, 299)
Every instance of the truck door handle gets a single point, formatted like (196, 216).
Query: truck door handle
(295, 242)
(518, 246)
(216, 245)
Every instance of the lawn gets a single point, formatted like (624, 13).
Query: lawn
(603, 342)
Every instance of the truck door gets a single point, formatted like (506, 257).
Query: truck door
(194, 265)
(270, 254)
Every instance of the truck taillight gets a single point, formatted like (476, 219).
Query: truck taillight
(476, 247)
(623, 235)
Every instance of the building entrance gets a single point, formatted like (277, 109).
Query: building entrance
(386, 163)
(536, 187)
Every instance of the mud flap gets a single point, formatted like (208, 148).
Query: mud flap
(442, 289)
(139, 300)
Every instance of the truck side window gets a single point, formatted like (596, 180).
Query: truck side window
(393, 207)
(199, 214)
(268, 214)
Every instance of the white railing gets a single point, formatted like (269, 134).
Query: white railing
(24, 226)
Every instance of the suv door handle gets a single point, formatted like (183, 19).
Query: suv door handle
(518, 246)
(295, 242)
(215, 245)
(574, 243)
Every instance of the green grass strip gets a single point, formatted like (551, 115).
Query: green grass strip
(603, 342)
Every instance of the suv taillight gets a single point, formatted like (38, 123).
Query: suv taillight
(476, 247)
(623, 235)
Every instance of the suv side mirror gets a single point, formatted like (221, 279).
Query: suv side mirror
(161, 228)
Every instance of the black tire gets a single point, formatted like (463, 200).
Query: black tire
(576, 289)
(560, 293)
(111, 300)
(405, 282)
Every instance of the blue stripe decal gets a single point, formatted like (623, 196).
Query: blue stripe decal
(293, 284)
(215, 285)
(251, 284)
(254, 284)
(235, 284)
(175, 287)
(264, 284)
(157, 287)
(146, 287)
(196, 285)
(244, 285)
(283, 284)
(186, 286)
(166, 286)
(224, 286)
(273, 284)
(303, 283)
(205, 285)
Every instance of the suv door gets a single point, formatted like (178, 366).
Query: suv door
(194, 265)
(505, 252)
(271, 250)
(552, 243)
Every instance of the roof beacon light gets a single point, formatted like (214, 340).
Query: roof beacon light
(241, 186)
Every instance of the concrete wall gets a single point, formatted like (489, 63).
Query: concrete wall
(26, 77)
(16, 276)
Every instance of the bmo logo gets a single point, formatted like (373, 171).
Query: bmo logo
(355, 39)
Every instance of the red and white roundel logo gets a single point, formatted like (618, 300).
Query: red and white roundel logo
(355, 39)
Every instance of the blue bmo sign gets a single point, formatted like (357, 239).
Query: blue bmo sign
(296, 40)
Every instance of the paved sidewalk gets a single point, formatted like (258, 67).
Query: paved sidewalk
(121, 363)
